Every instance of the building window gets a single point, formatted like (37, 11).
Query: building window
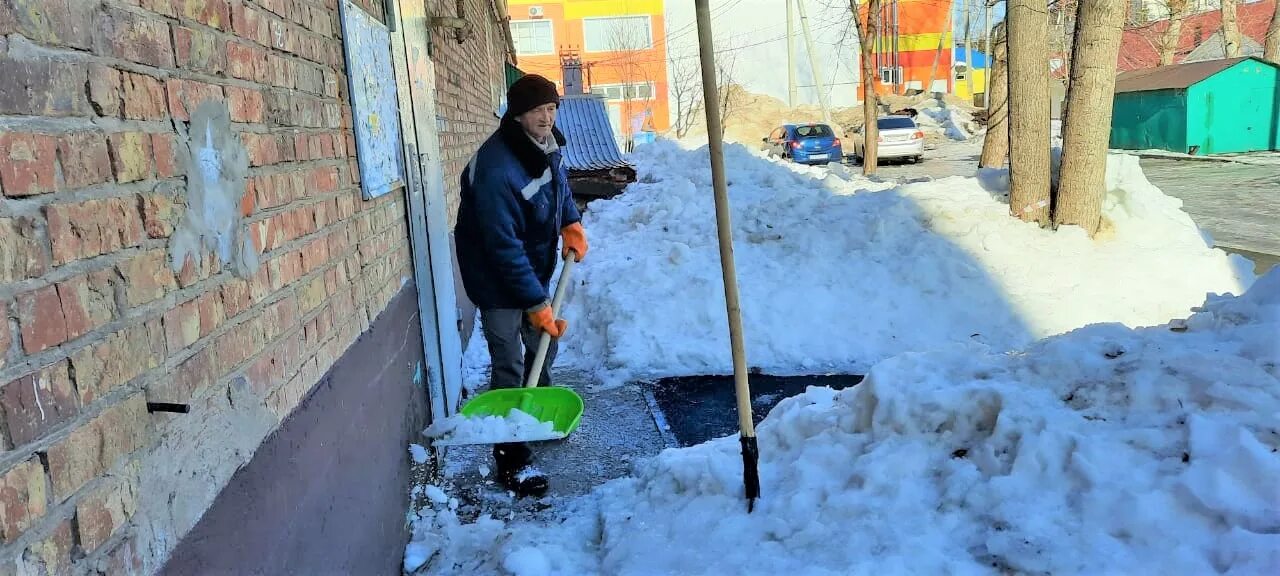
(616, 34)
(620, 92)
(532, 37)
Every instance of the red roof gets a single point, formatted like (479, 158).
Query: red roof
(1140, 46)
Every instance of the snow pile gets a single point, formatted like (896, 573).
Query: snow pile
(954, 122)
(517, 426)
(1107, 450)
(837, 272)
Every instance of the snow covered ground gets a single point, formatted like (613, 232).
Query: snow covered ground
(1107, 450)
(838, 272)
(1016, 417)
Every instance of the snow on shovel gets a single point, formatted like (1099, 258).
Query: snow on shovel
(529, 414)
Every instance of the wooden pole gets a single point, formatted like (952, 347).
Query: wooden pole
(724, 228)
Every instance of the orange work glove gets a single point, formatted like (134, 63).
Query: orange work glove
(542, 319)
(575, 239)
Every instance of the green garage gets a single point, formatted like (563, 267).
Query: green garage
(1202, 108)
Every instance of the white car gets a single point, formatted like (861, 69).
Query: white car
(900, 137)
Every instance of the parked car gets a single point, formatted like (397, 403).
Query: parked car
(805, 144)
(899, 137)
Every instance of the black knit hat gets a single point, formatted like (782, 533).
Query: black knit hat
(529, 92)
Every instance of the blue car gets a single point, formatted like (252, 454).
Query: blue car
(805, 144)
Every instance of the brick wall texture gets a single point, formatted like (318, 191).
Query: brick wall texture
(469, 83)
(96, 323)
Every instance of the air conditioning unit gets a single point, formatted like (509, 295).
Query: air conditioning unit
(535, 11)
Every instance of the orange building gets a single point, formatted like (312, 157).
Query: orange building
(620, 46)
(914, 45)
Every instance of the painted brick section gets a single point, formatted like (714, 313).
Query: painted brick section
(24, 496)
(37, 403)
(93, 448)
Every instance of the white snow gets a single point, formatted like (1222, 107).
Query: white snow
(435, 494)
(952, 122)
(419, 453)
(527, 561)
(515, 427)
(838, 272)
(1106, 450)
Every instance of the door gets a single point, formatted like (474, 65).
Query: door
(428, 219)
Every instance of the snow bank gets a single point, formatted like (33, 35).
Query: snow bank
(518, 426)
(954, 123)
(838, 272)
(1107, 450)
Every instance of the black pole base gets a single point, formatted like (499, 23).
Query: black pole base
(751, 470)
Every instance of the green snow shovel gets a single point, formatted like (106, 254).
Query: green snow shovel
(562, 407)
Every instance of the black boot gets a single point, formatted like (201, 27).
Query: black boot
(516, 471)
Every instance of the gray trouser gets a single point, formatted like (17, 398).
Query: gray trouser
(505, 330)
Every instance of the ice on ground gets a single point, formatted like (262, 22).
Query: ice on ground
(517, 426)
(838, 272)
(1106, 450)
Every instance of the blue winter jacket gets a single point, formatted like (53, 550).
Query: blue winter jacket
(515, 200)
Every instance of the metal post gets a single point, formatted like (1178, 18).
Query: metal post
(990, 51)
(897, 54)
(813, 65)
(791, 56)
(715, 138)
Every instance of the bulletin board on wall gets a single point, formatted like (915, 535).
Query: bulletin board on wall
(371, 82)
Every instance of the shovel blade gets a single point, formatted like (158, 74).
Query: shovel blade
(562, 407)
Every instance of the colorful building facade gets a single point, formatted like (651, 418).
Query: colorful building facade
(621, 48)
(913, 48)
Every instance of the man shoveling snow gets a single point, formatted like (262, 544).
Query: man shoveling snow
(516, 207)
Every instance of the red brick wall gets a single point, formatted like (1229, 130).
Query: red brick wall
(469, 78)
(97, 324)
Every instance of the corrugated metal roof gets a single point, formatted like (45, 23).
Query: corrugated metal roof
(584, 120)
(1178, 76)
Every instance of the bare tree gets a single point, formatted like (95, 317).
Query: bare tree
(629, 45)
(995, 145)
(867, 32)
(686, 92)
(726, 67)
(1168, 46)
(1230, 29)
(1271, 46)
(1086, 131)
(1029, 130)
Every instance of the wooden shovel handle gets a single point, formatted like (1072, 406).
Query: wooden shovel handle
(544, 343)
